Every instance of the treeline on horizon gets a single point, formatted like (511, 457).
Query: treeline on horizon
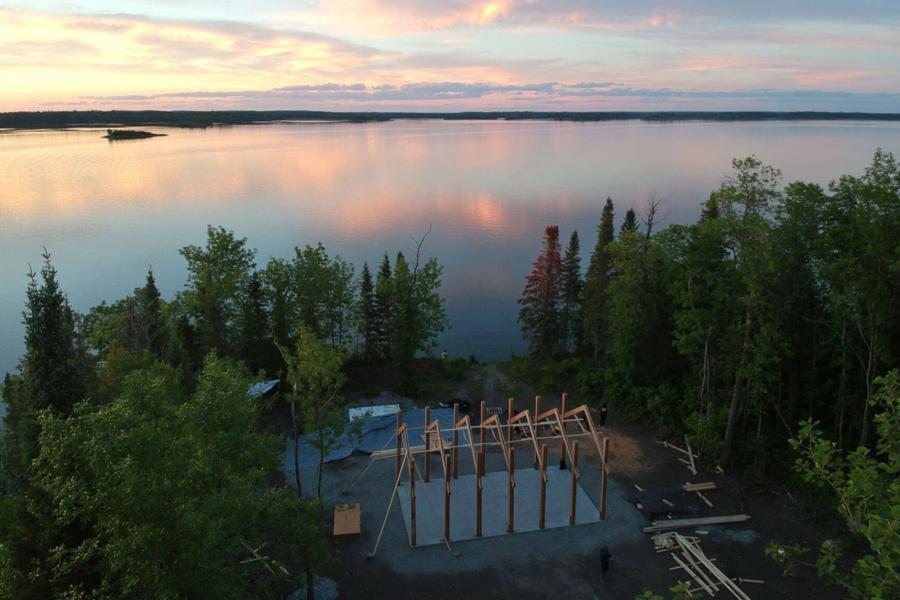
(768, 332)
(134, 461)
(189, 119)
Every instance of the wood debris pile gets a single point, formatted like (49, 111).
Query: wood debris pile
(705, 575)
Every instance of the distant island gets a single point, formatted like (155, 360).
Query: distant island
(129, 134)
(200, 119)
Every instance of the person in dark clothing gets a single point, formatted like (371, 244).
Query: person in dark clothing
(603, 413)
(605, 557)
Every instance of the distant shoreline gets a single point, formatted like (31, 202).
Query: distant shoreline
(202, 119)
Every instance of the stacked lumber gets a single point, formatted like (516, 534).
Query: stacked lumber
(706, 576)
(683, 523)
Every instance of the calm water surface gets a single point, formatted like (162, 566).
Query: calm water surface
(108, 210)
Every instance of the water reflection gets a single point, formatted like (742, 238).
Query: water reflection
(106, 211)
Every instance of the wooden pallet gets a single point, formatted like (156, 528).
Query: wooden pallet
(347, 522)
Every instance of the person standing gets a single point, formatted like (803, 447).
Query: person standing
(603, 414)
(605, 557)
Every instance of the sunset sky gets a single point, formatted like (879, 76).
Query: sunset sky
(446, 55)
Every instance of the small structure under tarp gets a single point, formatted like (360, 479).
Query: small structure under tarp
(365, 436)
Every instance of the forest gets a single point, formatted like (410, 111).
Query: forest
(768, 331)
(135, 462)
(179, 118)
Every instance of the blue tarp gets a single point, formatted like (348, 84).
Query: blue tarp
(261, 389)
(376, 433)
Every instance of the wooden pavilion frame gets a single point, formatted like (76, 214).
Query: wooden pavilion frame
(537, 430)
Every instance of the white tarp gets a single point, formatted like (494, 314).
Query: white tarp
(380, 410)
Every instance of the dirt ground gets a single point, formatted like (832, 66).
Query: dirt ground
(564, 562)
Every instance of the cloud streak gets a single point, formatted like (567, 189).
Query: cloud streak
(544, 94)
(454, 55)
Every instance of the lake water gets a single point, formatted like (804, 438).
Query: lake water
(108, 210)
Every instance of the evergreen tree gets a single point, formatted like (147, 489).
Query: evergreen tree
(595, 284)
(570, 309)
(150, 302)
(540, 314)
(51, 365)
(254, 325)
(403, 315)
(367, 324)
(629, 224)
(383, 307)
(12, 467)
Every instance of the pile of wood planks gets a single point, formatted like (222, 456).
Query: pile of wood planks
(707, 577)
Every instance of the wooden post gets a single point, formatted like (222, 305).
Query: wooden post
(511, 522)
(399, 423)
(455, 449)
(537, 430)
(427, 476)
(412, 501)
(481, 425)
(510, 413)
(543, 502)
(562, 442)
(479, 471)
(574, 483)
(603, 479)
(446, 460)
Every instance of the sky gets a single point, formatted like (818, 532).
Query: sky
(447, 55)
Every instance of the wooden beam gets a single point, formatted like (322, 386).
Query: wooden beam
(510, 411)
(436, 428)
(682, 523)
(585, 412)
(690, 455)
(399, 433)
(446, 460)
(525, 416)
(412, 502)
(562, 444)
(455, 440)
(494, 425)
(479, 488)
(511, 520)
(427, 470)
(574, 484)
(603, 480)
(543, 499)
(536, 431)
(553, 414)
(481, 424)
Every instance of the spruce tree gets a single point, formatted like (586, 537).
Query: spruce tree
(572, 284)
(540, 315)
(383, 305)
(403, 321)
(596, 283)
(51, 365)
(366, 314)
(254, 324)
(629, 224)
(151, 308)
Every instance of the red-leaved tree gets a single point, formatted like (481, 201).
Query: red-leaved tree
(539, 315)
